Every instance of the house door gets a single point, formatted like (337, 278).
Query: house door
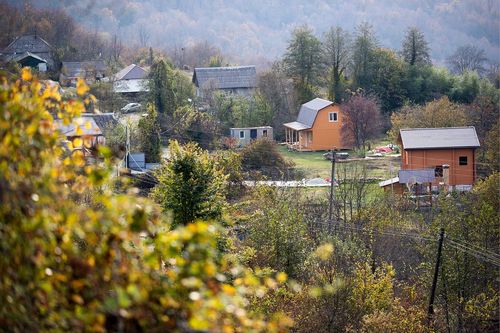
(253, 134)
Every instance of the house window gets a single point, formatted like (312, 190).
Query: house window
(462, 160)
(242, 134)
(264, 133)
(332, 116)
(438, 171)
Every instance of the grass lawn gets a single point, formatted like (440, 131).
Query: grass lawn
(313, 164)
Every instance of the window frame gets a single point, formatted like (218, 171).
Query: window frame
(460, 159)
(438, 171)
(264, 133)
(336, 117)
(242, 137)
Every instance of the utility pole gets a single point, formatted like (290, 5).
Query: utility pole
(127, 146)
(434, 281)
(332, 177)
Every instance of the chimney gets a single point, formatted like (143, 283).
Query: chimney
(446, 175)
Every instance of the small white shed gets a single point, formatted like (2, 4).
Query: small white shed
(244, 135)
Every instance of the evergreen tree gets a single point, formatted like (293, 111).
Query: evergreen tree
(415, 48)
(161, 87)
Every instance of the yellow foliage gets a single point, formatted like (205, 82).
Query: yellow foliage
(75, 255)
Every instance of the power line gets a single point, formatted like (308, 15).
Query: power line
(495, 260)
(478, 248)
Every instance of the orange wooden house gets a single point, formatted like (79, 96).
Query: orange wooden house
(318, 127)
(431, 148)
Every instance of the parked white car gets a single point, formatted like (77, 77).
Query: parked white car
(131, 107)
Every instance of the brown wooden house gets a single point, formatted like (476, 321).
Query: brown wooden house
(450, 152)
(318, 127)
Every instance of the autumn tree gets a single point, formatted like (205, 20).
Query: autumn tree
(191, 186)
(361, 120)
(467, 58)
(337, 46)
(278, 92)
(148, 134)
(438, 113)
(303, 62)
(415, 50)
(262, 158)
(78, 257)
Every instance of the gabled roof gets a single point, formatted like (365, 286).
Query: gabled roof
(25, 55)
(435, 138)
(309, 110)
(28, 43)
(307, 114)
(79, 68)
(89, 123)
(226, 77)
(131, 72)
(81, 122)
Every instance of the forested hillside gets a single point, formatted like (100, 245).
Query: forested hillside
(253, 30)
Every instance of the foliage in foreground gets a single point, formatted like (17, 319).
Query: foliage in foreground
(77, 257)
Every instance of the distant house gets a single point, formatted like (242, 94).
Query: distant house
(448, 152)
(131, 80)
(90, 71)
(91, 128)
(30, 50)
(244, 135)
(318, 127)
(28, 59)
(240, 80)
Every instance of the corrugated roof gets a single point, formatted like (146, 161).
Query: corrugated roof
(74, 69)
(418, 176)
(391, 181)
(28, 43)
(25, 55)
(435, 138)
(105, 121)
(131, 86)
(226, 77)
(309, 111)
(131, 72)
(247, 128)
(295, 125)
(70, 130)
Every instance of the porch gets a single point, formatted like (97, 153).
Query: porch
(298, 136)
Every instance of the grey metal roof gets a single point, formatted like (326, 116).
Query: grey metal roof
(131, 86)
(28, 43)
(295, 125)
(105, 121)
(74, 69)
(81, 122)
(391, 181)
(131, 72)
(19, 57)
(309, 111)
(226, 77)
(435, 138)
(418, 176)
(247, 128)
